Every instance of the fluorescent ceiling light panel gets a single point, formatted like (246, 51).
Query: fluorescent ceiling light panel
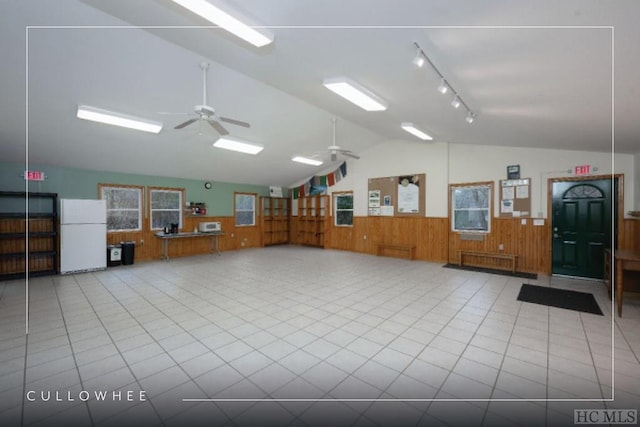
(226, 21)
(235, 145)
(409, 127)
(307, 161)
(355, 93)
(117, 119)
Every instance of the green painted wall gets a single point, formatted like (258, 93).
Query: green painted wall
(83, 184)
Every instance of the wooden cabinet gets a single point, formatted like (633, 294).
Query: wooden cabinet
(28, 234)
(313, 217)
(275, 214)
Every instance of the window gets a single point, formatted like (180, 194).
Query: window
(124, 207)
(343, 209)
(471, 208)
(245, 207)
(166, 207)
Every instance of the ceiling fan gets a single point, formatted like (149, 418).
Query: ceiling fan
(334, 149)
(206, 113)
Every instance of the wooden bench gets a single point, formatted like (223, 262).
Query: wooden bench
(410, 249)
(510, 257)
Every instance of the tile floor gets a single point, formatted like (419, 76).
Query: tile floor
(299, 336)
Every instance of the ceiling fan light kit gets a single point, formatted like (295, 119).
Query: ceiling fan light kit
(237, 145)
(226, 20)
(117, 119)
(355, 93)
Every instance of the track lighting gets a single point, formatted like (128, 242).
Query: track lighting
(444, 85)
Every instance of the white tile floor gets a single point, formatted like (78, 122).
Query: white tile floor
(353, 339)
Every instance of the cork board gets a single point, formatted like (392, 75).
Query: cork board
(515, 198)
(402, 195)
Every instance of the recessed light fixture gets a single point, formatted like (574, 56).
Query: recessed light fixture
(226, 21)
(307, 161)
(237, 145)
(409, 127)
(353, 92)
(117, 119)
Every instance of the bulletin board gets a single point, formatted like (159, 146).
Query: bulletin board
(515, 198)
(402, 195)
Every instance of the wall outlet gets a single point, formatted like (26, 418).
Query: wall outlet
(501, 247)
(141, 242)
(364, 237)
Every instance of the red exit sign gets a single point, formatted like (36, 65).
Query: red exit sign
(34, 176)
(582, 170)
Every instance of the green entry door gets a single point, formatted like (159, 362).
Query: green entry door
(581, 227)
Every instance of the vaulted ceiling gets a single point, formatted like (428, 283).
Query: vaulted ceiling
(538, 74)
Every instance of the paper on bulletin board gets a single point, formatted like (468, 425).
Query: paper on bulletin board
(522, 192)
(374, 211)
(386, 210)
(507, 193)
(374, 198)
(506, 206)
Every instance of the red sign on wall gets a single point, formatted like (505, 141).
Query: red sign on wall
(582, 170)
(34, 176)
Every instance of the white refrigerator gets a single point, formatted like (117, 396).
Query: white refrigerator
(83, 235)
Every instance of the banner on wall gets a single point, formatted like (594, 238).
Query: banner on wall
(320, 184)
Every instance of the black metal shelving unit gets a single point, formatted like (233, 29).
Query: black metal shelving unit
(28, 236)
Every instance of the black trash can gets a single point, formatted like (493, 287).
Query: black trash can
(114, 255)
(128, 252)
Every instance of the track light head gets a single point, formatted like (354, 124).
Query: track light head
(443, 88)
(456, 102)
(418, 60)
(470, 117)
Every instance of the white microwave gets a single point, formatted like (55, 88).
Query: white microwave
(209, 227)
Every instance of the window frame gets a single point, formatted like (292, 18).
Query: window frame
(336, 195)
(140, 189)
(235, 208)
(452, 210)
(180, 207)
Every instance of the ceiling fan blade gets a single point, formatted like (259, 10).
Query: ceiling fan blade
(350, 154)
(218, 127)
(184, 124)
(235, 122)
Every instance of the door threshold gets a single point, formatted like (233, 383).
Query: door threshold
(587, 279)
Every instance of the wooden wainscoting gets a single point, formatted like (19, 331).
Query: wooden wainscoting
(149, 247)
(629, 235)
(530, 243)
(428, 235)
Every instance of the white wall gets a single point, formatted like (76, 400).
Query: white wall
(445, 163)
